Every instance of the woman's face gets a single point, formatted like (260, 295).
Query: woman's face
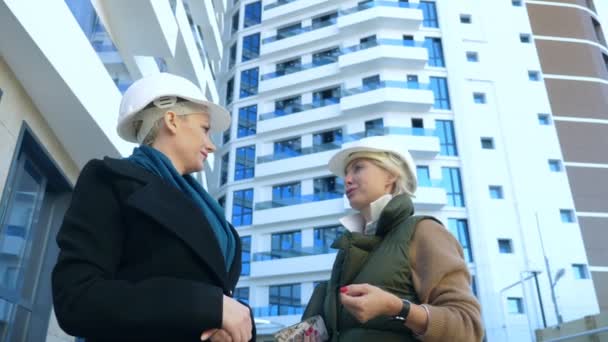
(366, 182)
(192, 141)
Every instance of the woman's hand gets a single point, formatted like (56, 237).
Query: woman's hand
(366, 302)
(216, 335)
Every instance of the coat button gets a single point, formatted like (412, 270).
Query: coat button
(230, 293)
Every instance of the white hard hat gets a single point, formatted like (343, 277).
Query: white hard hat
(164, 90)
(396, 145)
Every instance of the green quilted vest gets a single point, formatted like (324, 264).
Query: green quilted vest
(381, 260)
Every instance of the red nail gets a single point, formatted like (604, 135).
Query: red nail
(344, 289)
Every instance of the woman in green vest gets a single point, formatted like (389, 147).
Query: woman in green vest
(397, 277)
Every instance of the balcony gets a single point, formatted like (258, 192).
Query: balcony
(421, 143)
(296, 160)
(385, 14)
(292, 265)
(299, 115)
(303, 37)
(293, 253)
(383, 53)
(393, 96)
(282, 8)
(299, 208)
(299, 75)
(430, 195)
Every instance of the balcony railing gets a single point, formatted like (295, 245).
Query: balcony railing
(302, 199)
(278, 310)
(372, 4)
(290, 70)
(348, 138)
(277, 4)
(293, 253)
(299, 108)
(299, 31)
(385, 84)
(381, 42)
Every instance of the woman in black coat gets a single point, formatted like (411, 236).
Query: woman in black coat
(145, 252)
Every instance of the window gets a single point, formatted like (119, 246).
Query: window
(229, 91)
(247, 121)
(326, 97)
(288, 148)
(242, 294)
(412, 82)
(417, 127)
(433, 45)
(326, 56)
(222, 201)
(232, 58)
(474, 285)
(285, 244)
(371, 82)
(423, 175)
(505, 246)
(286, 194)
(479, 98)
(251, 47)
(516, 3)
(249, 82)
(534, 76)
(253, 14)
(324, 20)
(326, 188)
(447, 141)
(429, 12)
(288, 31)
(326, 141)
(472, 56)
(487, 143)
(285, 300)
(439, 85)
(408, 40)
(235, 22)
(289, 105)
(567, 215)
(226, 136)
(496, 192)
(599, 32)
(224, 169)
(325, 236)
(466, 19)
(244, 168)
(246, 255)
(555, 165)
(515, 305)
(544, 119)
(453, 186)
(288, 67)
(580, 271)
(374, 127)
(242, 207)
(525, 38)
(368, 41)
(460, 229)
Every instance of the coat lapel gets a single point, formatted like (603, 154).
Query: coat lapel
(176, 212)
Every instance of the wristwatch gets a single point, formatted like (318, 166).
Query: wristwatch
(405, 311)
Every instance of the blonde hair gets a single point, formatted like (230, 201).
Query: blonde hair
(391, 163)
(149, 121)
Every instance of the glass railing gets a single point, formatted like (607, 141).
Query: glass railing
(412, 131)
(290, 70)
(277, 4)
(299, 108)
(298, 31)
(381, 42)
(278, 310)
(302, 199)
(293, 253)
(372, 4)
(385, 84)
(431, 183)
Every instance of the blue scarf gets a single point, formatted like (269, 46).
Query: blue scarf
(156, 162)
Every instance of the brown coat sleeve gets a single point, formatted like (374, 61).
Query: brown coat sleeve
(442, 281)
